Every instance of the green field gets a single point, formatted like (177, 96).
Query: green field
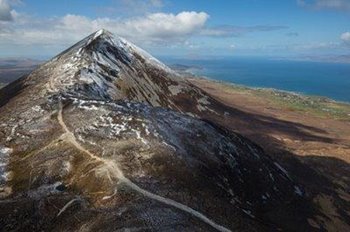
(320, 106)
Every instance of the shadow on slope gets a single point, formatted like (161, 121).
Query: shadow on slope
(327, 184)
(261, 126)
(11, 90)
(325, 180)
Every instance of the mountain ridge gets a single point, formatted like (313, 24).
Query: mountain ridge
(111, 127)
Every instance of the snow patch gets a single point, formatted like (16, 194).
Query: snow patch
(254, 151)
(44, 190)
(5, 175)
(168, 145)
(110, 196)
(248, 212)
(4, 160)
(37, 109)
(91, 107)
(12, 134)
(265, 196)
(281, 168)
(98, 33)
(203, 105)
(175, 89)
(146, 128)
(66, 168)
(115, 128)
(203, 101)
(298, 191)
(138, 136)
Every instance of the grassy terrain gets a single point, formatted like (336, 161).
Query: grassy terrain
(319, 106)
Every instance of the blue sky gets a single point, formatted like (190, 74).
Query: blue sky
(270, 28)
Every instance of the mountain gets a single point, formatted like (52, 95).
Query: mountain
(106, 67)
(104, 137)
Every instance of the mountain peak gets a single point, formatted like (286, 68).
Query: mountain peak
(103, 41)
(102, 31)
(99, 126)
(106, 66)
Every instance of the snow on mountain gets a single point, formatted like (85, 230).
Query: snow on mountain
(102, 133)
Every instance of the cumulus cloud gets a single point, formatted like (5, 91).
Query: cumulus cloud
(234, 31)
(157, 27)
(345, 37)
(325, 4)
(162, 25)
(5, 11)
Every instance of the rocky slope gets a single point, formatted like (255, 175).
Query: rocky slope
(105, 137)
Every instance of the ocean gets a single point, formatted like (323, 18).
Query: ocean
(312, 78)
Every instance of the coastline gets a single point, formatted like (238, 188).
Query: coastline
(298, 131)
(318, 105)
(308, 135)
(327, 118)
(307, 78)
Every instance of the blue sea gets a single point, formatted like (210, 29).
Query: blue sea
(312, 78)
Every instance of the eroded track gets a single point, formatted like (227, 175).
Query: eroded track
(114, 172)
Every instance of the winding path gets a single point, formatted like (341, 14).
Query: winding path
(113, 169)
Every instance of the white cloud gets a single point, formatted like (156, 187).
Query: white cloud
(5, 11)
(325, 4)
(162, 25)
(345, 37)
(157, 27)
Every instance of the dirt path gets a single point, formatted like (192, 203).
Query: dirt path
(113, 170)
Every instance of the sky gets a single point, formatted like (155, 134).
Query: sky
(180, 28)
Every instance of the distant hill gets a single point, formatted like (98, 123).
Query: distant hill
(13, 68)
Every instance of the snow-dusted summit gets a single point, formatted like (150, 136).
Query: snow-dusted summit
(97, 139)
(105, 66)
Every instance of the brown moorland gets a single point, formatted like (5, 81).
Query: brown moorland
(310, 136)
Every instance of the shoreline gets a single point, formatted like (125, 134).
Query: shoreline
(301, 94)
(305, 138)
(319, 105)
